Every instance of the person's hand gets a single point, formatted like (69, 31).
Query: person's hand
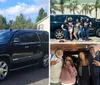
(68, 63)
(90, 23)
(65, 66)
(53, 63)
(64, 29)
(97, 63)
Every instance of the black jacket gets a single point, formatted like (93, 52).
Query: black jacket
(95, 70)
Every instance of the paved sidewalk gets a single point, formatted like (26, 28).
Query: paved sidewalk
(92, 40)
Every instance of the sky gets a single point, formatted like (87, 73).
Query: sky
(11, 8)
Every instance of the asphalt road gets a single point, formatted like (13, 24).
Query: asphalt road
(92, 40)
(28, 76)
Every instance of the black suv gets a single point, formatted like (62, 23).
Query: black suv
(22, 48)
(57, 20)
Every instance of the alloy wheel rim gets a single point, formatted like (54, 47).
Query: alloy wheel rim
(59, 34)
(99, 33)
(3, 70)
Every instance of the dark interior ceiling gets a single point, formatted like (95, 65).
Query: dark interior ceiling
(71, 47)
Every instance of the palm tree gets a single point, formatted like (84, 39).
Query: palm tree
(96, 6)
(73, 6)
(90, 7)
(53, 8)
(61, 5)
(85, 9)
(96, 9)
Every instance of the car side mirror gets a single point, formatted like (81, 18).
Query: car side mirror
(16, 40)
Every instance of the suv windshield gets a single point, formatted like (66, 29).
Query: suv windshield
(5, 36)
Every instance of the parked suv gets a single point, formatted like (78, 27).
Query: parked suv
(57, 20)
(22, 48)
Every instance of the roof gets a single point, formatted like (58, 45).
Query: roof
(42, 20)
(15, 30)
(30, 30)
(67, 15)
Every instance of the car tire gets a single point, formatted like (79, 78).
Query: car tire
(98, 32)
(59, 34)
(4, 69)
(44, 61)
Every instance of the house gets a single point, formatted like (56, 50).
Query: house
(44, 24)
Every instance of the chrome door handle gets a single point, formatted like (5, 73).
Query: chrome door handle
(26, 46)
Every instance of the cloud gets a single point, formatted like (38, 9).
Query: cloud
(26, 9)
(20, 8)
(1, 1)
(40, 1)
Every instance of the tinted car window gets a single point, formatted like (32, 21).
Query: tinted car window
(60, 18)
(44, 36)
(84, 17)
(52, 19)
(27, 37)
(74, 17)
(34, 37)
(5, 36)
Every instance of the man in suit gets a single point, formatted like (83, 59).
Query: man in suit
(95, 65)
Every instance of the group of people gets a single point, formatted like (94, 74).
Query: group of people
(63, 71)
(79, 29)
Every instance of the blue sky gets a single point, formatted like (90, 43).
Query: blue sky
(11, 8)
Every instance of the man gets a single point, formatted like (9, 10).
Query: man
(95, 65)
(56, 63)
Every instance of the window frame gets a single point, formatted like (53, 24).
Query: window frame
(28, 32)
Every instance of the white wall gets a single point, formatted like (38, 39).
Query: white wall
(44, 25)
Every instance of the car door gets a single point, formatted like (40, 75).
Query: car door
(35, 46)
(45, 41)
(20, 47)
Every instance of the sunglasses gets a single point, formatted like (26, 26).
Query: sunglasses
(68, 60)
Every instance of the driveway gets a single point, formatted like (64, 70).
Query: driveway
(92, 40)
(28, 76)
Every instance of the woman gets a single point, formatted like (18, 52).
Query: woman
(64, 27)
(81, 32)
(84, 70)
(87, 25)
(76, 28)
(70, 27)
(68, 73)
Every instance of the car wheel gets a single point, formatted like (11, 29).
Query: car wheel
(98, 32)
(59, 34)
(4, 69)
(45, 61)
